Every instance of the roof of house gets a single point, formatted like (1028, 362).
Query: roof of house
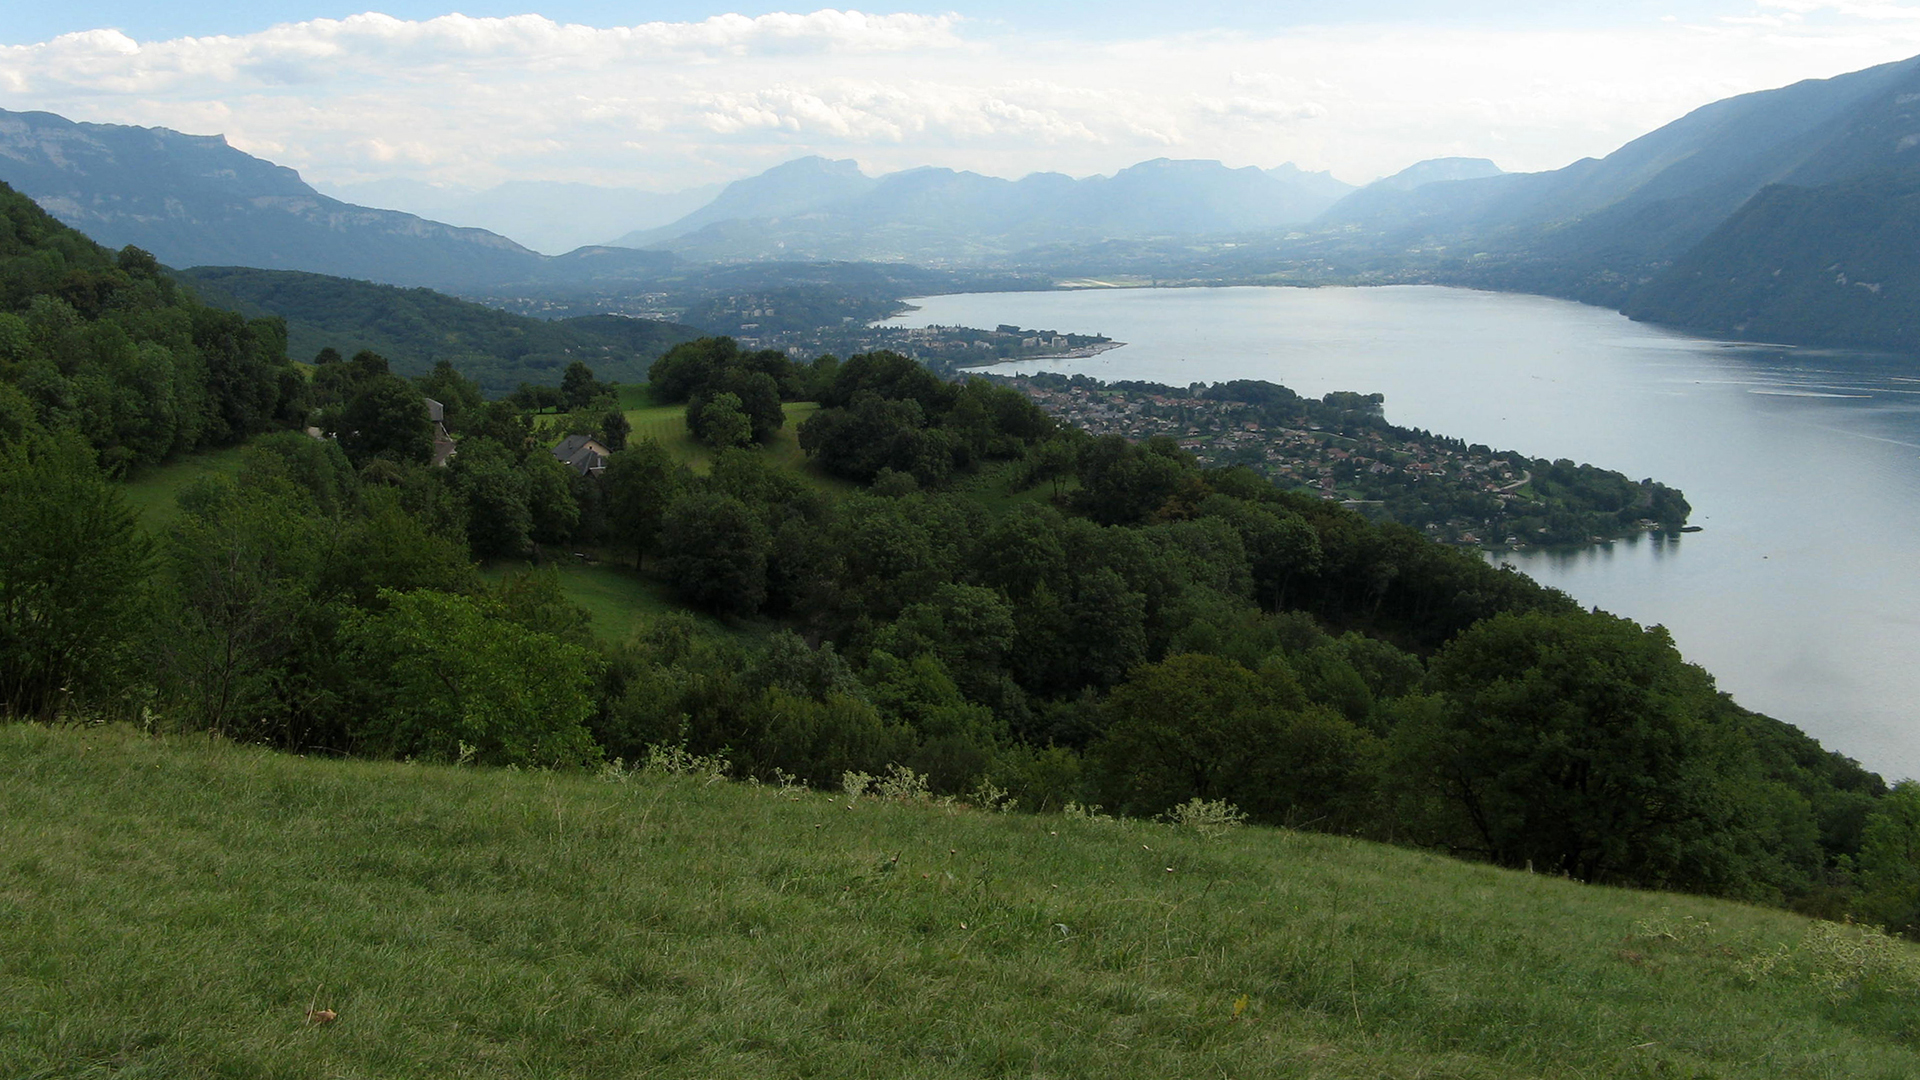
(582, 453)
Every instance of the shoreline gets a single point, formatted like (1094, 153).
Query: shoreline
(1084, 352)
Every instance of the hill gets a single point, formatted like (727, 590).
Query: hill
(107, 346)
(417, 328)
(1830, 265)
(184, 907)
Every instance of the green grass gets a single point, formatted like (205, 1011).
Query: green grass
(667, 425)
(154, 493)
(991, 488)
(174, 907)
(620, 599)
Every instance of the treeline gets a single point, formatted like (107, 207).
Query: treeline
(1012, 609)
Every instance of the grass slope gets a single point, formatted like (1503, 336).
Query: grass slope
(176, 907)
(667, 425)
(154, 493)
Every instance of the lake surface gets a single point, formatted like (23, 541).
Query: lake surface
(1803, 466)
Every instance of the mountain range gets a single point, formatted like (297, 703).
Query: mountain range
(1604, 229)
(814, 208)
(1790, 213)
(550, 217)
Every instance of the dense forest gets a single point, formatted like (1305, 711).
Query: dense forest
(954, 586)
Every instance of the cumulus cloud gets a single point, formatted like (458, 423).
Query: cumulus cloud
(475, 101)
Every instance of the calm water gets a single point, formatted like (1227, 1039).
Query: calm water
(1802, 465)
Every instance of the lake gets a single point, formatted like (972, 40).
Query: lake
(1802, 465)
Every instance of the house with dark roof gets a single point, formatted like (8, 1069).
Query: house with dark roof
(583, 454)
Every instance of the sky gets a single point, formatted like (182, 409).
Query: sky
(670, 95)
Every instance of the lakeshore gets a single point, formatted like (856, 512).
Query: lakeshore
(1340, 448)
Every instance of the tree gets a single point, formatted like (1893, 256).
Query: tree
(1576, 743)
(714, 552)
(459, 394)
(578, 387)
(553, 513)
(386, 417)
(1890, 860)
(688, 367)
(499, 517)
(72, 567)
(453, 672)
(1201, 727)
(720, 422)
(614, 429)
(639, 484)
(244, 566)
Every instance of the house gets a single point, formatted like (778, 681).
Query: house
(443, 448)
(583, 454)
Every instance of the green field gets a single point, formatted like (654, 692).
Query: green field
(176, 907)
(154, 493)
(620, 600)
(667, 425)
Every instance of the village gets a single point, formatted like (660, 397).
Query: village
(1342, 449)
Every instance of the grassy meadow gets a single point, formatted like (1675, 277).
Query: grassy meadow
(154, 493)
(180, 907)
(667, 425)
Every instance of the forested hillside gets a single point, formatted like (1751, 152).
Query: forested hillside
(416, 329)
(953, 591)
(1831, 265)
(108, 348)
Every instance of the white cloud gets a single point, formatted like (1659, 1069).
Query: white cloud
(1852, 9)
(471, 100)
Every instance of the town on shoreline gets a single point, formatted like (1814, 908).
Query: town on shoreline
(1341, 448)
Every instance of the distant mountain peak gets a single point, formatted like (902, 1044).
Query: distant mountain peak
(815, 164)
(1437, 170)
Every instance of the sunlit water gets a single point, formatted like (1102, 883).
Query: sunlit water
(1803, 465)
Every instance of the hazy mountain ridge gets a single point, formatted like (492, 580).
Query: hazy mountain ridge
(195, 200)
(1688, 223)
(794, 187)
(1600, 228)
(551, 217)
(1831, 264)
(816, 209)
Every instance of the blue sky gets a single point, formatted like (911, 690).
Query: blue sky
(678, 94)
